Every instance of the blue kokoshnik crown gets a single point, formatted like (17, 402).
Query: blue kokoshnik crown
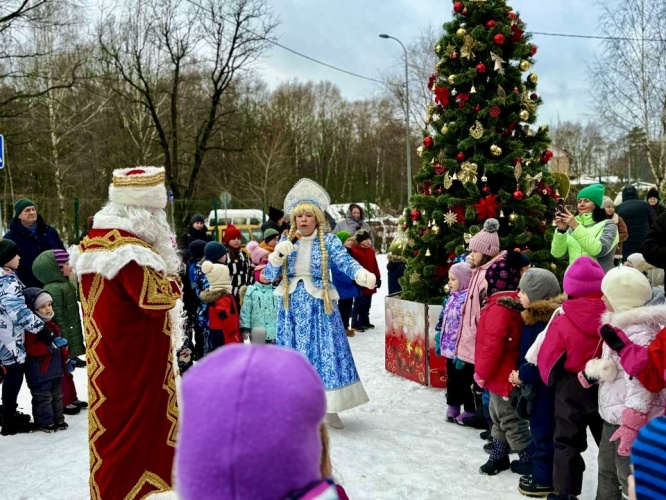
(306, 190)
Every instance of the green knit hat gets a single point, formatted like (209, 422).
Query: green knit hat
(343, 235)
(270, 234)
(594, 193)
(21, 204)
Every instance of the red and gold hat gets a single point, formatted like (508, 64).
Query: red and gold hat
(139, 186)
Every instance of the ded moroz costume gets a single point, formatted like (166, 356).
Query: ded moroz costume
(127, 266)
(308, 317)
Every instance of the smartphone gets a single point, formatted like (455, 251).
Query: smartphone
(559, 209)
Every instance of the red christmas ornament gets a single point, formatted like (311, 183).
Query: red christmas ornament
(439, 170)
(464, 12)
(534, 50)
(491, 24)
(415, 215)
(512, 15)
(546, 156)
(481, 68)
(458, 7)
(428, 142)
(416, 253)
(499, 39)
(516, 33)
(460, 214)
(460, 156)
(462, 99)
(485, 190)
(431, 80)
(477, 108)
(440, 190)
(487, 207)
(518, 195)
(442, 95)
(426, 188)
(454, 56)
(495, 111)
(534, 96)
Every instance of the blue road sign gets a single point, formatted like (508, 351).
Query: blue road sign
(2, 151)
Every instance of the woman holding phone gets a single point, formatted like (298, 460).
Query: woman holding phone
(589, 232)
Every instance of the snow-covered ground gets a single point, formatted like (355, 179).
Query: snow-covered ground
(398, 446)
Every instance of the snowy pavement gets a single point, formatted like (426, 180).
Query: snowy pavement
(397, 446)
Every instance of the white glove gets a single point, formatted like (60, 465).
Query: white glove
(281, 252)
(365, 279)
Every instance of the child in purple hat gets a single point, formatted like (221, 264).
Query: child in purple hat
(249, 426)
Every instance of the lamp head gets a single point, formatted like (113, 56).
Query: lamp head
(382, 35)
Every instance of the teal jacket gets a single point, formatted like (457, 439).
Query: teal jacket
(65, 301)
(260, 309)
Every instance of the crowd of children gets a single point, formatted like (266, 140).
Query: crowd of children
(540, 359)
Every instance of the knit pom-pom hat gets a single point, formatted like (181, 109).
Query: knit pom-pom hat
(257, 253)
(217, 275)
(486, 241)
(626, 288)
(583, 278)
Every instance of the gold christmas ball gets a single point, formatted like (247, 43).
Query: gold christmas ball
(524, 115)
(524, 65)
(452, 79)
(438, 49)
(495, 150)
(533, 78)
(530, 132)
(553, 266)
(461, 32)
(419, 150)
(513, 217)
(544, 128)
(445, 130)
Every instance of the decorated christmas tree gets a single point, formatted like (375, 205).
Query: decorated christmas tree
(482, 156)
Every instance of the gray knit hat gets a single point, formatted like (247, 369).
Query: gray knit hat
(539, 284)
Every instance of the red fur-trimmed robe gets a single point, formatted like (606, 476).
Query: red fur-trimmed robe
(132, 415)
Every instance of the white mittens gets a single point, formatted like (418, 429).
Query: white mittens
(365, 279)
(281, 252)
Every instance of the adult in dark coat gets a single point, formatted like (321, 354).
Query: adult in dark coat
(195, 231)
(638, 216)
(654, 246)
(654, 200)
(275, 220)
(32, 236)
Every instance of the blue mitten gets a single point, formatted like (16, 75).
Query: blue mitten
(70, 365)
(60, 342)
(438, 347)
(459, 363)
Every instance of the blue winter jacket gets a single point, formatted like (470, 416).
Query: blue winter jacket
(346, 287)
(260, 309)
(31, 245)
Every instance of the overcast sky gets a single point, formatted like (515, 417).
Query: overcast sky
(344, 33)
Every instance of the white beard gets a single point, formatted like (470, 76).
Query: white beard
(148, 224)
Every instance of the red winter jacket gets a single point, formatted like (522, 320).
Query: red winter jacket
(653, 377)
(498, 342)
(572, 338)
(367, 258)
(223, 316)
(37, 348)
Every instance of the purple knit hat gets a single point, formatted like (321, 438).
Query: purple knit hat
(61, 257)
(249, 425)
(463, 274)
(486, 241)
(502, 276)
(583, 277)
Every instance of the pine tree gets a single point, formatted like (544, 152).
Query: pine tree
(481, 157)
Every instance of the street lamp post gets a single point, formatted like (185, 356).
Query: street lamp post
(407, 134)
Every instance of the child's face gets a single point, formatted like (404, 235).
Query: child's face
(198, 225)
(14, 263)
(609, 307)
(66, 270)
(262, 278)
(306, 222)
(524, 299)
(475, 259)
(223, 259)
(365, 243)
(45, 309)
(273, 242)
(235, 243)
(454, 284)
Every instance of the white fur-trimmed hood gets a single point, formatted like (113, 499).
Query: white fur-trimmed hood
(645, 315)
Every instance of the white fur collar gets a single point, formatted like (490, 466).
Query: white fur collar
(646, 315)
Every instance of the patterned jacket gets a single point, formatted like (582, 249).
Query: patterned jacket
(449, 322)
(260, 309)
(15, 319)
(241, 271)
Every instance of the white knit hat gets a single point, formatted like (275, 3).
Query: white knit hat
(626, 288)
(139, 186)
(218, 276)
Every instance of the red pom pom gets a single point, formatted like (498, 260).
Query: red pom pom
(458, 7)
(534, 50)
(428, 142)
(499, 39)
(491, 24)
(481, 68)
(460, 156)
(518, 195)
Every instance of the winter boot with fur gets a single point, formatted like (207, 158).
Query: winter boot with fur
(499, 459)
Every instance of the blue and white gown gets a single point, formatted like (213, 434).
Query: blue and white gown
(306, 327)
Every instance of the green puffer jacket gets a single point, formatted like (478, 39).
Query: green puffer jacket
(593, 239)
(65, 303)
(260, 309)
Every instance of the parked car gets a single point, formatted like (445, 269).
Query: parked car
(248, 221)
